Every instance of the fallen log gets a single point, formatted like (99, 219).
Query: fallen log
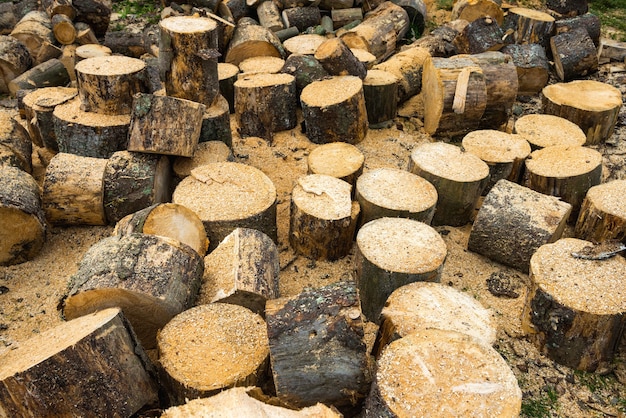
(301, 17)
(15, 59)
(8, 18)
(63, 29)
(260, 65)
(252, 40)
(269, 15)
(304, 44)
(50, 73)
(34, 30)
(95, 13)
(589, 22)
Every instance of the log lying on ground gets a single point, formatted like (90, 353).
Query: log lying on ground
(542, 130)
(480, 35)
(206, 153)
(346, 16)
(8, 18)
(39, 106)
(529, 26)
(471, 10)
(216, 123)
(575, 309)
(252, 40)
(531, 64)
(440, 41)
(209, 348)
(151, 278)
(603, 213)
(63, 29)
(15, 59)
(380, 89)
(566, 8)
(612, 50)
(269, 16)
(90, 366)
(92, 51)
(15, 142)
(407, 66)
(301, 17)
(575, 55)
(337, 159)
(55, 7)
(338, 59)
(96, 13)
(34, 30)
(434, 370)
(49, 73)
(317, 351)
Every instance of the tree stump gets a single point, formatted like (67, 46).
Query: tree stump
(227, 74)
(73, 190)
(229, 195)
(334, 110)
(15, 142)
(471, 10)
(529, 26)
(242, 270)
(337, 159)
(305, 68)
(304, 44)
(39, 106)
(574, 311)
(15, 59)
(260, 65)
(216, 123)
(480, 35)
(251, 40)
(49, 73)
(206, 153)
(440, 373)
(458, 176)
(337, 59)
(407, 66)
(89, 366)
(150, 278)
(34, 30)
(380, 89)
(229, 340)
(592, 105)
(574, 53)
(317, 351)
(531, 64)
(543, 131)
(22, 222)
(603, 213)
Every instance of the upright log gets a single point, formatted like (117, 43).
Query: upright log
(216, 123)
(39, 106)
(380, 90)
(337, 159)
(532, 67)
(542, 130)
(575, 54)
(603, 214)
(529, 26)
(227, 74)
(407, 66)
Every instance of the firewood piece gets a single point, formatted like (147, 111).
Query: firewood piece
(480, 35)
(252, 40)
(265, 104)
(337, 59)
(301, 17)
(334, 110)
(8, 18)
(129, 42)
(433, 370)
(269, 15)
(471, 10)
(216, 123)
(574, 54)
(380, 30)
(514, 221)
(336, 4)
(317, 350)
(22, 222)
(237, 8)
(166, 220)
(532, 67)
(85, 35)
(206, 153)
(229, 195)
(39, 106)
(565, 171)
(165, 125)
(92, 51)
(603, 214)
(568, 8)
(345, 16)
(287, 33)
(89, 134)
(227, 75)
(529, 26)
(407, 67)
(612, 50)
(93, 365)
(423, 305)
(230, 337)
(337, 159)
(394, 193)
(380, 89)
(592, 105)
(260, 65)
(368, 59)
(63, 29)
(242, 270)
(440, 41)
(575, 308)
(34, 30)
(504, 153)
(188, 58)
(15, 139)
(15, 59)
(305, 68)
(50, 73)
(589, 22)
(305, 44)
(542, 131)
(417, 11)
(458, 176)
(95, 13)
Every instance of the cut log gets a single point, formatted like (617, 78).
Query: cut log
(236, 9)
(285, 4)
(63, 29)
(547, 130)
(335, 4)
(93, 365)
(480, 35)
(188, 52)
(216, 123)
(337, 159)
(529, 26)
(566, 8)
(305, 68)
(92, 51)
(393, 252)
(612, 50)
(206, 153)
(128, 42)
(15, 59)
(260, 65)
(15, 139)
(85, 35)
(51, 73)
(317, 350)
(269, 15)
(150, 278)
(346, 16)
(532, 67)
(301, 17)
(337, 59)
(73, 190)
(39, 106)
(592, 105)
(407, 66)
(55, 7)
(217, 334)
(471, 10)
(229, 195)
(574, 53)
(34, 30)
(252, 40)
(287, 33)
(242, 270)
(443, 372)
(22, 222)
(366, 58)
(305, 44)
(575, 309)
(95, 13)
(458, 176)
(514, 221)
(8, 18)
(440, 41)
(380, 90)
(589, 22)
(334, 110)
(227, 74)
(603, 213)
(88, 134)
(417, 11)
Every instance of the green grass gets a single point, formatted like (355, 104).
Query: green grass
(145, 9)
(612, 13)
(541, 407)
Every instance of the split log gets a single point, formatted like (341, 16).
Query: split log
(435, 370)
(73, 191)
(251, 40)
(150, 278)
(345, 16)
(93, 365)
(612, 50)
(529, 26)
(39, 106)
(589, 22)
(407, 67)
(603, 214)
(337, 59)
(471, 10)
(592, 105)
(227, 75)
(265, 104)
(514, 221)
(337, 159)
(8, 18)
(575, 309)
(269, 15)
(23, 225)
(15, 140)
(260, 65)
(393, 252)
(305, 68)
(458, 176)
(440, 41)
(165, 125)
(216, 123)
(532, 67)
(95, 13)
(334, 110)
(574, 54)
(229, 340)
(305, 44)
(34, 30)
(543, 131)
(394, 193)
(50, 73)
(63, 29)
(480, 35)
(242, 270)
(566, 8)
(206, 153)
(229, 195)
(317, 350)
(15, 59)
(380, 90)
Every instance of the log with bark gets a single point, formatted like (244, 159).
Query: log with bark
(15, 143)
(337, 59)
(337, 159)
(305, 68)
(206, 153)
(252, 40)
(346, 16)
(63, 29)
(471, 10)
(8, 18)
(574, 53)
(304, 44)
(440, 41)
(216, 123)
(34, 30)
(49, 73)
(480, 35)
(603, 214)
(380, 89)
(407, 66)
(15, 59)
(95, 13)
(269, 15)
(528, 26)
(301, 17)
(568, 8)
(542, 130)
(532, 67)
(588, 21)
(39, 106)
(227, 75)
(611, 50)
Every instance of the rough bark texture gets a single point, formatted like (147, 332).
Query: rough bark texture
(575, 54)
(252, 40)
(49, 73)
(15, 139)
(34, 30)
(532, 67)
(39, 106)
(589, 22)
(337, 59)
(482, 34)
(471, 10)
(216, 123)
(380, 89)
(529, 26)
(305, 68)
(603, 214)
(15, 59)
(301, 17)
(96, 13)
(407, 67)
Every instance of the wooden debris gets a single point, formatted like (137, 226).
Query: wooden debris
(612, 50)
(568, 8)
(542, 130)
(603, 214)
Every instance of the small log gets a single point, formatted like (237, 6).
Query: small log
(612, 50)
(407, 67)
(458, 176)
(252, 40)
(529, 26)
(242, 270)
(34, 30)
(589, 22)
(345, 16)
(84, 34)
(440, 41)
(317, 350)
(265, 104)
(260, 65)
(165, 125)
(305, 44)
(543, 131)
(393, 252)
(150, 278)
(575, 309)
(227, 75)
(568, 8)
(15, 139)
(236, 9)
(216, 123)
(592, 105)
(73, 190)
(22, 222)
(301, 17)
(574, 53)
(380, 90)
(337, 159)
(95, 13)
(480, 35)
(63, 29)
(603, 214)
(417, 11)
(471, 10)
(435, 370)
(336, 4)
(323, 217)
(39, 106)
(230, 337)
(269, 15)
(93, 365)
(337, 59)
(394, 193)
(334, 110)
(229, 195)
(531, 64)
(305, 68)
(128, 42)
(206, 153)
(287, 33)
(365, 57)
(15, 59)
(50, 73)
(8, 18)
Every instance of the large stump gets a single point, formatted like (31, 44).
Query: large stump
(603, 213)
(542, 131)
